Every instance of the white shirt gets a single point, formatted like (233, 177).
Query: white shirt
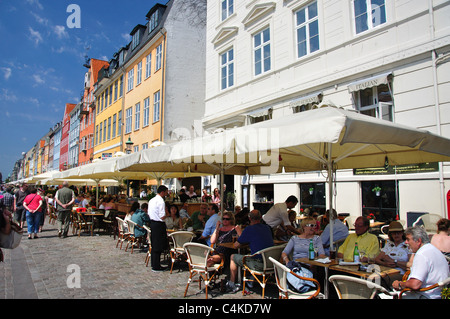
(157, 208)
(430, 267)
(276, 215)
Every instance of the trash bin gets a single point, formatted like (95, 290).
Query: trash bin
(411, 217)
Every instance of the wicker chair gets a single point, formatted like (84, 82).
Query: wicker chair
(428, 222)
(348, 287)
(198, 264)
(83, 224)
(440, 284)
(132, 239)
(149, 252)
(268, 267)
(122, 235)
(179, 238)
(284, 292)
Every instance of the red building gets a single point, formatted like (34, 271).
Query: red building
(64, 146)
(87, 114)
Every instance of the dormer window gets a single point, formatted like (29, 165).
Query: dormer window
(136, 36)
(153, 21)
(135, 41)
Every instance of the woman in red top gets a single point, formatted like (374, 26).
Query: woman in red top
(32, 204)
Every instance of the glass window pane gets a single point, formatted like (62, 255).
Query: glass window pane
(257, 40)
(301, 17)
(361, 23)
(312, 10)
(360, 7)
(266, 35)
(301, 38)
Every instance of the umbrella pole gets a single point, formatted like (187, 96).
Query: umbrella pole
(330, 194)
(222, 177)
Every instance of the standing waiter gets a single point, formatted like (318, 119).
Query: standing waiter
(158, 236)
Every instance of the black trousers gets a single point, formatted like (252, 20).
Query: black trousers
(158, 239)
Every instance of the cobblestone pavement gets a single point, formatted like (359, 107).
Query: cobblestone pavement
(42, 268)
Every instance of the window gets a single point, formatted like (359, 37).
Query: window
(114, 124)
(156, 100)
(158, 57)
(227, 8)
(110, 94)
(96, 134)
(307, 27)
(136, 148)
(130, 79)
(313, 197)
(104, 131)
(116, 89)
(121, 86)
(137, 116)
(100, 134)
(368, 14)
(376, 102)
(153, 21)
(145, 146)
(135, 40)
(109, 128)
(148, 66)
(261, 49)
(119, 123)
(227, 69)
(139, 74)
(106, 97)
(146, 112)
(380, 200)
(128, 120)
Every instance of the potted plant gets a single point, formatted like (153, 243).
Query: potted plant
(311, 190)
(377, 190)
(371, 218)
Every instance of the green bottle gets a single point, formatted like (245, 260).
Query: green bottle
(356, 254)
(311, 252)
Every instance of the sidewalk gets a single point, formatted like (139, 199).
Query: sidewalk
(43, 268)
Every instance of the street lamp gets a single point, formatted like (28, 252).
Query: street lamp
(129, 144)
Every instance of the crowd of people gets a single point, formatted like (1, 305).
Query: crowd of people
(411, 249)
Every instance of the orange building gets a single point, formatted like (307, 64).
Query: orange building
(87, 112)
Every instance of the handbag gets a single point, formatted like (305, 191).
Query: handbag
(297, 284)
(12, 240)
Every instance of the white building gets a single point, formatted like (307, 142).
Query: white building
(384, 58)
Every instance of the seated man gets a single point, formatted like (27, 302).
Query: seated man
(429, 266)
(199, 218)
(141, 218)
(210, 226)
(366, 242)
(340, 231)
(258, 236)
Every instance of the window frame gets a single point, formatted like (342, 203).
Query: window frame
(263, 44)
(369, 14)
(307, 25)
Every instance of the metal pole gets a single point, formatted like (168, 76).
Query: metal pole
(330, 194)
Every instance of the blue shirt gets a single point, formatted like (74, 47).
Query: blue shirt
(140, 217)
(210, 227)
(340, 231)
(258, 236)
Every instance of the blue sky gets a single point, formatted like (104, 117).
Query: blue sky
(41, 61)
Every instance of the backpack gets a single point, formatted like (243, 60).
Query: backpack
(297, 284)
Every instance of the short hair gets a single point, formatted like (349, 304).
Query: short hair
(443, 224)
(255, 215)
(291, 199)
(417, 233)
(215, 207)
(333, 213)
(161, 188)
(144, 206)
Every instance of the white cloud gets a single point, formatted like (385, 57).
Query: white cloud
(60, 31)
(39, 19)
(126, 37)
(35, 36)
(6, 73)
(6, 95)
(38, 79)
(36, 2)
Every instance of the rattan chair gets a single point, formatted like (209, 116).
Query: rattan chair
(348, 287)
(197, 258)
(52, 217)
(123, 234)
(132, 239)
(440, 284)
(83, 224)
(179, 238)
(268, 268)
(429, 222)
(284, 292)
(149, 252)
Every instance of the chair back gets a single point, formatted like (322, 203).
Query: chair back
(349, 221)
(197, 254)
(267, 253)
(180, 238)
(131, 225)
(281, 272)
(81, 210)
(120, 225)
(429, 222)
(348, 287)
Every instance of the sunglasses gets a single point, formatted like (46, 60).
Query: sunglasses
(311, 225)
(226, 218)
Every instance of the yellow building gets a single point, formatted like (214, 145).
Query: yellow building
(144, 90)
(109, 111)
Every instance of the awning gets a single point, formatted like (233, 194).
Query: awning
(260, 112)
(369, 82)
(311, 98)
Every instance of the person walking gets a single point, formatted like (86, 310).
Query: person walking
(64, 198)
(20, 213)
(158, 236)
(32, 204)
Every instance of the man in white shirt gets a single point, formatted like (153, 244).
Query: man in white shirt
(278, 214)
(429, 266)
(157, 214)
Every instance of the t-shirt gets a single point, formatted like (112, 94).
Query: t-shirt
(300, 246)
(430, 267)
(277, 215)
(210, 227)
(399, 252)
(258, 236)
(32, 201)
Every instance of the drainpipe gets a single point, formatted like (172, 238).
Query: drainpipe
(436, 105)
(163, 93)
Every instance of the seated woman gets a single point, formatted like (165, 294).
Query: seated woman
(441, 240)
(134, 207)
(395, 253)
(225, 230)
(173, 221)
(298, 245)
